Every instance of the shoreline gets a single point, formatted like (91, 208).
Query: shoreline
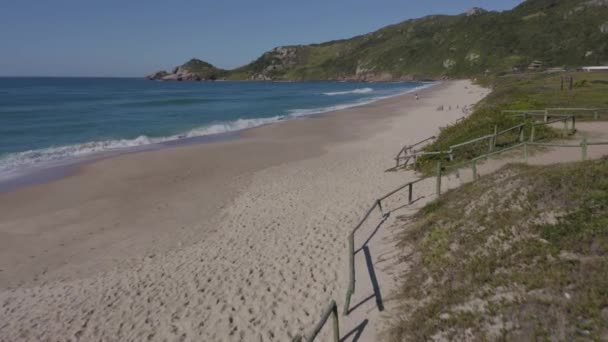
(52, 170)
(292, 141)
(242, 238)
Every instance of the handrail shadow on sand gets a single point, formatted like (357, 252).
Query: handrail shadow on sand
(356, 332)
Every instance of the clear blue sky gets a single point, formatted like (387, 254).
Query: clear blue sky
(137, 37)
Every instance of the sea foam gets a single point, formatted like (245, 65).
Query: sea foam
(12, 164)
(356, 91)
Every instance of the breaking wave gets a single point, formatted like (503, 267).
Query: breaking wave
(13, 163)
(356, 91)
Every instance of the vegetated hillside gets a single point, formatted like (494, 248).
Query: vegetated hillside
(204, 69)
(555, 32)
(520, 255)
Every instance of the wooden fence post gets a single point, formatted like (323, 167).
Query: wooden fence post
(573, 124)
(532, 133)
(409, 194)
(522, 133)
(474, 169)
(595, 116)
(351, 273)
(546, 115)
(438, 178)
(336, 324)
(493, 140)
(584, 149)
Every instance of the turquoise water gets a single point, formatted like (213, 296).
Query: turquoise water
(46, 120)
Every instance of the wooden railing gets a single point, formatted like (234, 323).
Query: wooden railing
(331, 310)
(408, 152)
(351, 239)
(552, 112)
(583, 145)
(565, 119)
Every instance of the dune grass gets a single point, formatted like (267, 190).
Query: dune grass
(520, 255)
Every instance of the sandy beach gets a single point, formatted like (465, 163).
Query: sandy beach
(237, 240)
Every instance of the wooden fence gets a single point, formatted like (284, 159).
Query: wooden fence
(546, 114)
(568, 130)
(407, 153)
(351, 239)
(332, 309)
(583, 145)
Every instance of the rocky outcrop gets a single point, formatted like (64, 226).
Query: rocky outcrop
(475, 11)
(157, 75)
(472, 57)
(182, 74)
(178, 74)
(276, 60)
(193, 70)
(449, 63)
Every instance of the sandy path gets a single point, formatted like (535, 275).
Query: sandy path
(593, 131)
(276, 255)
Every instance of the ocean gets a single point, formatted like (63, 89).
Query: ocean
(49, 121)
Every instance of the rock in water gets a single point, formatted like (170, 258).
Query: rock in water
(159, 75)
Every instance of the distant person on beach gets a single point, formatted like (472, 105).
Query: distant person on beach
(417, 96)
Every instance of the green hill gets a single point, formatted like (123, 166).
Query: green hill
(564, 33)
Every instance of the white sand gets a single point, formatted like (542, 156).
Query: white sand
(270, 262)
